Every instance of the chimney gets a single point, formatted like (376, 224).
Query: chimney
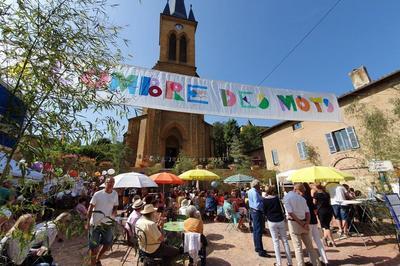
(359, 77)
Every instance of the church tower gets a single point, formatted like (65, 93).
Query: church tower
(158, 135)
(177, 40)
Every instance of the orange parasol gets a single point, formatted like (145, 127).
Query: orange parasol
(166, 178)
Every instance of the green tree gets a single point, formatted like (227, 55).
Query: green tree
(241, 160)
(379, 132)
(219, 140)
(312, 154)
(231, 130)
(250, 137)
(55, 56)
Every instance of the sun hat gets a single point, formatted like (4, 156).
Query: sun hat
(148, 208)
(138, 204)
(185, 203)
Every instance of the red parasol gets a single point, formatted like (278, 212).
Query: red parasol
(166, 178)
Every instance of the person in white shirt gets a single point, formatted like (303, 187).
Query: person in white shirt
(298, 215)
(340, 208)
(103, 204)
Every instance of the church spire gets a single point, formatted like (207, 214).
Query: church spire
(166, 9)
(180, 9)
(191, 14)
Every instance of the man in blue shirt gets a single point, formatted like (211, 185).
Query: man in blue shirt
(256, 212)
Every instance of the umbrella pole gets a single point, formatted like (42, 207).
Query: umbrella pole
(198, 185)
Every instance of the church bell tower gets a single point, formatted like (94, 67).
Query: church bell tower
(177, 40)
(159, 136)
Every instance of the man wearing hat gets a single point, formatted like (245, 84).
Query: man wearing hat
(154, 245)
(135, 215)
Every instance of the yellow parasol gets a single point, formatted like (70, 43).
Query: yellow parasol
(319, 174)
(199, 175)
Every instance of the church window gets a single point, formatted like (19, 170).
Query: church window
(172, 47)
(182, 49)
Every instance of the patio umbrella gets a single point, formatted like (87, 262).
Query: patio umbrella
(199, 175)
(239, 178)
(319, 174)
(16, 171)
(134, 180)
(166, 178)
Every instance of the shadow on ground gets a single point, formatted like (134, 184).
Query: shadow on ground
(214, 237)
(363, 260)
(217, 262)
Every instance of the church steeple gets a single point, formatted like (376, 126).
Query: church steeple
(191, 14)
(166, 9)
(180, 9)
(177, 39)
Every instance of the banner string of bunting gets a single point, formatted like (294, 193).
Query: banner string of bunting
(156, 158)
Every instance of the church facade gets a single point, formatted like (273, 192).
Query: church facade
(160, 136)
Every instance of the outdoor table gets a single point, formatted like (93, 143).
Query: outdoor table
(351, 203)
(173, 227)
(173, 233)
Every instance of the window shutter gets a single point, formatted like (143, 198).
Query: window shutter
(331, 144)
(275, 157)
(353, 137)
(301, 148)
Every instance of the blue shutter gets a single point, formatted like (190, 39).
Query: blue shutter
(353, 137)
(301, 148)
(331, 143)
(275, 159)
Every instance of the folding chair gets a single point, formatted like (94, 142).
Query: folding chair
(232, 221)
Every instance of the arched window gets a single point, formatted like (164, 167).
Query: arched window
(182, 49)
(172, 47)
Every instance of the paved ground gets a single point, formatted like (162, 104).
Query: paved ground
(236, 248)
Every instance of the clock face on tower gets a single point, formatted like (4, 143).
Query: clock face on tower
(179, 26)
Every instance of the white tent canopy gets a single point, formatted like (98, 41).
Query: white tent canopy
(16, 171)
(282, 179)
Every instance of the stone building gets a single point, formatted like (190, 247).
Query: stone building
(336, 144)
(159, 135)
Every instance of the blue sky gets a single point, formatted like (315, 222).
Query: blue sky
(241, 41)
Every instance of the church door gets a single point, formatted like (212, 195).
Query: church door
(171, 151)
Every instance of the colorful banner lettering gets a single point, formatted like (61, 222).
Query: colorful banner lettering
(167, 91)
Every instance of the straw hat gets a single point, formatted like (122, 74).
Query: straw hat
(138, 204)
(185, 203)
(148, 208)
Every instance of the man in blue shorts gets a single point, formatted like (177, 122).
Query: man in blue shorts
(340, 208)
(103, 204)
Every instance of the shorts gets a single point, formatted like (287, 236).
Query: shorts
(100, 235)
(341, 212)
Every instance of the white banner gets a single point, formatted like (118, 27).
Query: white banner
(167, 91)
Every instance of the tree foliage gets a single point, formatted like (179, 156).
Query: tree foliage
(55, 56)
(250, 137)
(380, 132)
(231, 130)
(219, 139)
(241, 160)
(183, 163)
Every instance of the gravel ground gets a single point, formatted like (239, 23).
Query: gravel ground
(236, 248)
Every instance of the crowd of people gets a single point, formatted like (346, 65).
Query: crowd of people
(303, 210)
(304, 207)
